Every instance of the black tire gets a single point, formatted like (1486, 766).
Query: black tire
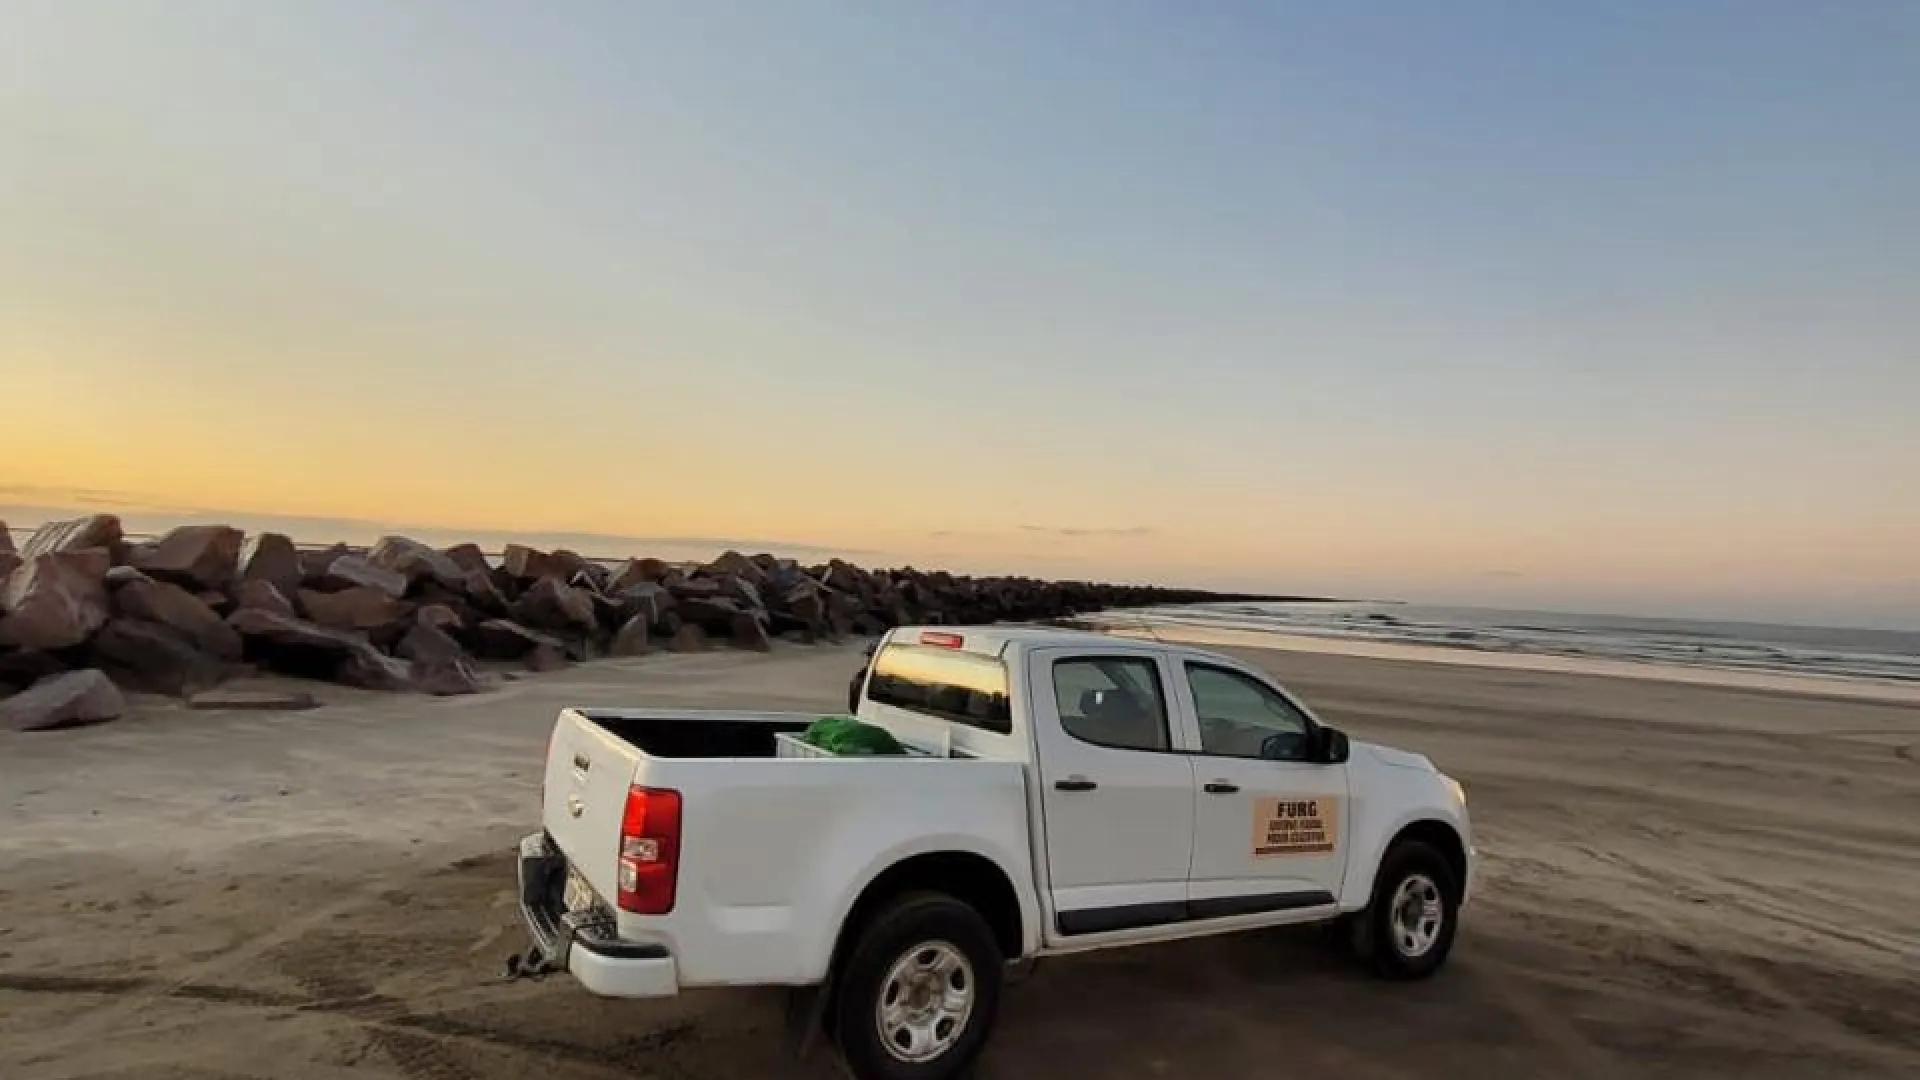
(1412, 866)
(917, 923)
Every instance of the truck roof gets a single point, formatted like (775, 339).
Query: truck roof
(993, 640)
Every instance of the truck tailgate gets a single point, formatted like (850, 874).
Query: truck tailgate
(589, 772)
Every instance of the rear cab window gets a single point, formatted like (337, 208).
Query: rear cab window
(945, 684)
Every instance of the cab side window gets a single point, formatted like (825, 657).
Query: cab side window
(1112, 701)
(1243, 717)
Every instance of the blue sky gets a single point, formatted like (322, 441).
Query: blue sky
(1577, 305)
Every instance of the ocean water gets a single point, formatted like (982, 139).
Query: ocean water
(1838, 652)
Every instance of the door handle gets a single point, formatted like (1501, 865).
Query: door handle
(1074, 783)
(1220, 787)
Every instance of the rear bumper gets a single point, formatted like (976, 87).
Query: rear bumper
(585, 944)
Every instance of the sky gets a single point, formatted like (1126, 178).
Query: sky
(1590, 306)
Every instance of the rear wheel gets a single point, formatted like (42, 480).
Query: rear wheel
(1407, 931)
(918, 991)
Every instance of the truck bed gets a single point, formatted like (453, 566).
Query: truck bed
(769, 845)
(693, 734)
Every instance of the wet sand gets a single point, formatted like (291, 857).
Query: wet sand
(1679, 881)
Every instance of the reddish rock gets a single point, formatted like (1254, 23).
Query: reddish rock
(429, 644)
(750, 633)
(64, 700)
(638, 572)
(416, 561)
(469, 558)
(479, 588)
(172, 606)
(314, 564)
(288, 633)
(78, 534)
(196, 556)
(546, 658)
(688, 638)
(527, 563)
(370, 669)
(272, 558)
(149, 656)
(549, 605)
(806, 601)
(358, 608)
(228, 699)
(715, 614)
(440, 617)
(504, 639)
(631, 639)
(263, 595)
(738, 565)
(447, 678)
(54, 601)
(351, 571)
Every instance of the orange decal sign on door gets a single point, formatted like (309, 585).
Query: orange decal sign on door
(1295, 826)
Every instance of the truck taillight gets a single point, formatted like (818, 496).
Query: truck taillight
(942, 639)
(649, 850)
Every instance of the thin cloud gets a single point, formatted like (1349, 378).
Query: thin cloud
(1057, 530)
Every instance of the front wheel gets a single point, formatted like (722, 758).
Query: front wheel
(918, 991)
(1407, 930)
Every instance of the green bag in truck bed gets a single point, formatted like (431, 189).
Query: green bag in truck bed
(847, 736)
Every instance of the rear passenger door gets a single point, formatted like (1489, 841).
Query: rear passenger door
(1116, 796)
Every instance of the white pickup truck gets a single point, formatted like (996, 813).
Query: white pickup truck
(1066, 792)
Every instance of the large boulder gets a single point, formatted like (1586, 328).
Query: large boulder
(638, 572)
(546, 658)
(429, 644)
(440, 617)
(354, 571)
(632, 638)
(687, 638)
(314, 564)
(196, 556)
(643, 600)
(504, 639)
(293, 646)
(550, 605)
(359, 608)
(714, 614)
(416, 562)
(446, 678)
(149, 656)
(263, 595)
(738, 565)
(6, 540)
(480, 590)
(172, 606)
(370, 669)
(63, 700)
(750, 633)
(528, 563)
(272, 558)
(468, 557)
(78, 534)
(54, 600)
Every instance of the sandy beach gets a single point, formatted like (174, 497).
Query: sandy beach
(1679, 881)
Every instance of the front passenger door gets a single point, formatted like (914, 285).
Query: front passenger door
(1269, 823)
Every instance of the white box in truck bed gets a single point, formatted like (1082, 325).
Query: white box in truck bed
(1072, 792)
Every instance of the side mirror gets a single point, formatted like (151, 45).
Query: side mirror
(1334, 746)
